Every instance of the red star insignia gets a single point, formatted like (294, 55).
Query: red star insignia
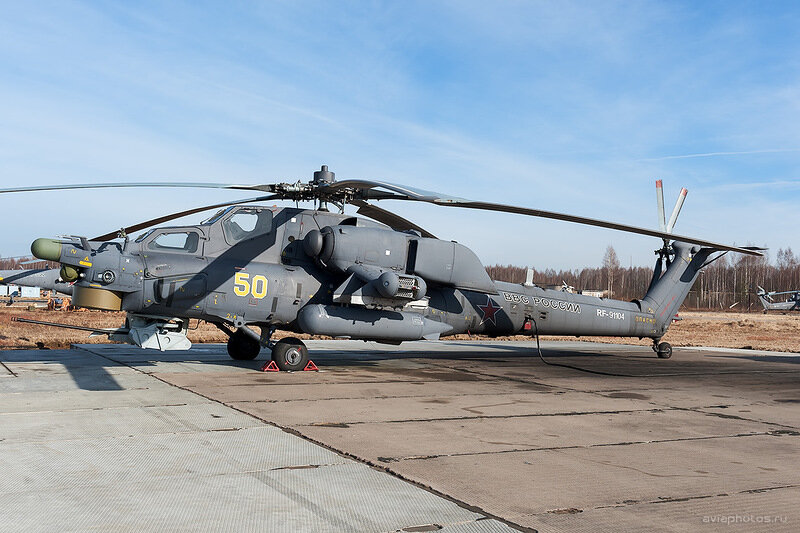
(489, 310)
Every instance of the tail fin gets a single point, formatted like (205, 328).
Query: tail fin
(764, 297)
(667, 292)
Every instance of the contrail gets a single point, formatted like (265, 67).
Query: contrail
(715, 154)
(778, 184)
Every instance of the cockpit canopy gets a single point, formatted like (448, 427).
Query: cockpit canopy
(238, 224)
(241, 223)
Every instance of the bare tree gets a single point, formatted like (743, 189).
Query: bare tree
(727, 283)
(611, 265)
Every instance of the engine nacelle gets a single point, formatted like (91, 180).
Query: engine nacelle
(449, 263)
(341, 248)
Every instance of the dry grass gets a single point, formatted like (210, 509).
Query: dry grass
(757, 331)
(21, 335)
(776, 331)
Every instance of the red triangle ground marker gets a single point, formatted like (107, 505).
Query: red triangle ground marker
(311, 367)
(270, 367)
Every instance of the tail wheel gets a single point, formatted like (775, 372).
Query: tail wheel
(290, 354)
(243, 347)
(664, 350)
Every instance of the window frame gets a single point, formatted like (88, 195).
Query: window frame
(149, 244)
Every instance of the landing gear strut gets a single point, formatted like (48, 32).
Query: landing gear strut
(244, 344)
(290, 354)
(663, 349)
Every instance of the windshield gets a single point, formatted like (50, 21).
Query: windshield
(247, 223)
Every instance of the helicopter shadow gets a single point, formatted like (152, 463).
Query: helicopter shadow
(793, 359)
(498, 353)
(87, 372)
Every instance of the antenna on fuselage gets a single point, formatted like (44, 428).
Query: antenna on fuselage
(529, 278)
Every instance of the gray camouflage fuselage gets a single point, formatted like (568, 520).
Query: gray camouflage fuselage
(333, 274)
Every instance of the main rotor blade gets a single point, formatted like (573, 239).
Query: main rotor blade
(392, 220)
(782, 292)
(166, 218)
(486, 206)
(264, 188)
(356, 189)
(421, 195)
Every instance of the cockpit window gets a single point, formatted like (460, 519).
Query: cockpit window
(247, 223)
(181, 241)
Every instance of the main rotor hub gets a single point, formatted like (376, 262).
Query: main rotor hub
(324, 175)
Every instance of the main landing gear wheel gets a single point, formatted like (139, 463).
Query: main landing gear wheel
(664, 350)
(290, 354)
(242, 346)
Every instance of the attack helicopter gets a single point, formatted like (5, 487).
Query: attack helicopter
(44, 278)
(374, 277)
(789, 302)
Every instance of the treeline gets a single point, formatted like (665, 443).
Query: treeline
(728, 283)
(27, 263)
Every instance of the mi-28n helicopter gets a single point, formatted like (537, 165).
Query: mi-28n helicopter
(789, 302)
(314, 271)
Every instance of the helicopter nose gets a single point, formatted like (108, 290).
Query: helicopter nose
(46, 249)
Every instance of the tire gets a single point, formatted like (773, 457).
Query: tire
(664, 350)
(290, 354)
(242, 347)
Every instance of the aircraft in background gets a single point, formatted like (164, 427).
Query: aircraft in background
(790, 303)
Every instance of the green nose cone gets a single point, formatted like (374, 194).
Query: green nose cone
(46, 249)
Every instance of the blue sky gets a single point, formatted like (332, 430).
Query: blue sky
(574, 107)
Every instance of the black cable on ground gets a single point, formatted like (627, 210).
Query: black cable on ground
(588, 370)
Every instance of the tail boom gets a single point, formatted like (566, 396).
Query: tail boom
(516, 307)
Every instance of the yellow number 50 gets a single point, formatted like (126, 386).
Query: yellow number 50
(242, 285)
